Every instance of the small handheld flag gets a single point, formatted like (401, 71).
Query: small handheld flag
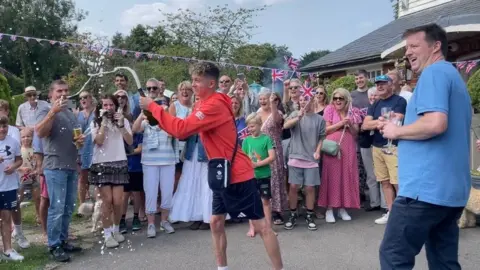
(242, 134)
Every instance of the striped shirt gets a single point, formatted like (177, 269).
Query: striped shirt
(26, 113)
(166, 153)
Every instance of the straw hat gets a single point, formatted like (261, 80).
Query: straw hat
(31, 89)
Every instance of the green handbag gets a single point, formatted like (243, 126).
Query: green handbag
(332, 148)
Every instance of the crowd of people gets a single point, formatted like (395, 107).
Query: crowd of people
(326, 153)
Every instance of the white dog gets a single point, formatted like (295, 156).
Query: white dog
(97, 216)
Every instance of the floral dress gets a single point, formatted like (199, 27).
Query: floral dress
(277, 181)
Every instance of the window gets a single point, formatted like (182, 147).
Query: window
(374, 73)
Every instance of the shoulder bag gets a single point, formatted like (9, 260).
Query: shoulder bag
(332, 148)
(220, 169)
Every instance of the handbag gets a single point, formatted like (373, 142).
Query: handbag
(220, 169)
(332, 148)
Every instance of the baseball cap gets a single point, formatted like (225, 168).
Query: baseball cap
(382, 78)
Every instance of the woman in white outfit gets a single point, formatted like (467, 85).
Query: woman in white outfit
(159, 156)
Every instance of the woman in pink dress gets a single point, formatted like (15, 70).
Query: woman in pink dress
(339, 188)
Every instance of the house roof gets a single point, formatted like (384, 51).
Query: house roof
(370, 46)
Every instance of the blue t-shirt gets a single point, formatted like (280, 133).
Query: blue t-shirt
(134, 161)
(398, 105)
(437, 170)
(37, 144)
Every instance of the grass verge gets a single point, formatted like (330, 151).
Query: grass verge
(36, 257)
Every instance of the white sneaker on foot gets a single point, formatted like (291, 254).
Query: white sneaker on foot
(118, 237)
(167, 227)
(12, 255)
(110, 242)
(21, 240)
(151, 231)
(342, 213)
(383, 220)
(329, 217)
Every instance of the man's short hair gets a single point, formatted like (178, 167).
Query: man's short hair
(4, 105)
(361, 72)
(4, 120)
(121, 75)
(433, 33)
(205, 69)
(55, 83)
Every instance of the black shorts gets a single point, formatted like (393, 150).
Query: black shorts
(135, 183)
(263, 186)
(239, 200)
(8, 200)
(179, 166)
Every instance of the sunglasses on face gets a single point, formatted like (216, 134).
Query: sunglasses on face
(226, 81)
(294, 87)
(121, 97)
(84, 97)
(338, 98)
(153, 88)
(31, 95)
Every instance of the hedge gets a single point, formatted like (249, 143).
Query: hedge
(473, 85)
(5, 94)
(347, 82)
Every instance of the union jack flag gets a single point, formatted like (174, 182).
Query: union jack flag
(461, 65)
(242, 134)
(292, 62)
(307, 91)
(277, 74)
(471, 65)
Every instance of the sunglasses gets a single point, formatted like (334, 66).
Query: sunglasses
(294, 87)
(31, 95)
(338, 98)
(84, 97)
(320, 93)
(153, 88)
(122, 97)
(226, 81)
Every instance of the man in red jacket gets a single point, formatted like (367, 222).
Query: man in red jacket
(213, 119)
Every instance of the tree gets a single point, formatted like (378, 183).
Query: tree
(219, 29)
(395, 7)
(5, 95)
(312, 56)
(37, 64)
(254, 55)
(474, 90)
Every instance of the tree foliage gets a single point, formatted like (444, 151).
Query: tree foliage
(5, 95)
(312, 56)
(37, 63)
(219, 29)
(396, 8)
(473, 85)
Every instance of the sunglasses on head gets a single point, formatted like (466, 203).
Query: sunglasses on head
(153, 88)
(83, 97)
(121, 97)
(225, 81)
(338, 98)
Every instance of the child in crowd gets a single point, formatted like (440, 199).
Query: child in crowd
(10, 161)
(308, 130)
(259, 147)
(28, 176)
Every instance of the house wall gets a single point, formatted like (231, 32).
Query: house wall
(411, 6)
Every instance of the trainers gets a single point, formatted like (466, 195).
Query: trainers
(21, 240)
(12, 255)
(151, 231)
(291, 222)
(329, 217)
(136, 224)
(311, 222)
(110, 242)
(123, 226)
(59, 255)
(383, 220)
(342, 213)
(70, 248)
(118, 237)
(167, 227)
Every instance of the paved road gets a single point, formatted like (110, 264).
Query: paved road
(344, 245)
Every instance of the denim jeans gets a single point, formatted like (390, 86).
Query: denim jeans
(62, 192)
(414, 223)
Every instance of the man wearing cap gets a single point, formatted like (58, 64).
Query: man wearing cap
(26, 111)
(385, 159)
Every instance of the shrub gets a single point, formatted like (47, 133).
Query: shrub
(474, 89)
(347, 82)
(5, 94)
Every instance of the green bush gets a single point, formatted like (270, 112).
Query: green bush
(5, 94)
(474, 89)
(347, 82)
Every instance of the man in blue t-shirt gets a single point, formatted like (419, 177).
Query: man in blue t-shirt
(385, 161)
(433, 164)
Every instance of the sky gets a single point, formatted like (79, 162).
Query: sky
(301, 25)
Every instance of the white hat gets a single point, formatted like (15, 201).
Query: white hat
(31, 89)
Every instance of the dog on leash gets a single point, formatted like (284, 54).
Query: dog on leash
(94, 210)
(468, 218)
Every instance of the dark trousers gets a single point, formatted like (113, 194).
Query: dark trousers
(411, 225)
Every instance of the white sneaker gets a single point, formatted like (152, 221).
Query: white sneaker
(167, 227)
(118, 237)
(383, 220)
(21, 240)
(151, 231)
(110, 242)
(329, 217)
(12, 255)
(342, 213)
